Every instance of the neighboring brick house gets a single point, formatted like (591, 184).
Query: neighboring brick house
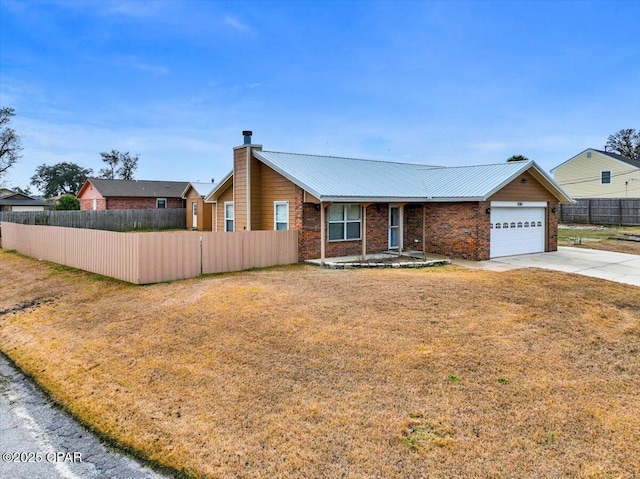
(101, 194)
(344, 206)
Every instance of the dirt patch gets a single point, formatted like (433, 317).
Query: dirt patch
(29, 304)
(308, 372)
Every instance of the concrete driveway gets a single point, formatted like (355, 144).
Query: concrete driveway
(620, 267)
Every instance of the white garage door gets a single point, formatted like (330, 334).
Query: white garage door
(516, 230)
(27, 208)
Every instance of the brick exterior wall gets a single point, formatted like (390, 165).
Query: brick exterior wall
(552, 225)
(309, 237)
(87, 204)
(413, 227)
(128, 203)
(141, 203)
(377, 228)
(459, 230)
(309, 232)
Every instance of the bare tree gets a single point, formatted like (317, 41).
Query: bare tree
(626, 142)
(10, 144)
(119, 165)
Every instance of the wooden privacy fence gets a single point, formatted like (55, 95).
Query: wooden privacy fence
(110, 220)
(621, 211)
(144, 258)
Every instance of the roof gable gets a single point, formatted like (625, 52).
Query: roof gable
(202, 189)
(606, 154)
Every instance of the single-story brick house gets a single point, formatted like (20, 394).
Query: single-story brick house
(199, 213)
(14, 201)
(345, 206)
(102, 194)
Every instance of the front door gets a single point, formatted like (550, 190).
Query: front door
(394, 226)
(195, 215)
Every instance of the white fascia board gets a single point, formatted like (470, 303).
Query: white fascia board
(553, 184)
(371, 199)
(184, 193)
(518, 204)
(224, 180)
(570, 159)
(525, 166)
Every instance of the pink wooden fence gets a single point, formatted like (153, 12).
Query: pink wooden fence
(143, 258)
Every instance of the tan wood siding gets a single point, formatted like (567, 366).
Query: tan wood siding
(516, 190)
(275, 187)
(226, 195)
(256, 193)
(240, 188)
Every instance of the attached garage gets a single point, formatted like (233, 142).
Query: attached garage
(517, 228)
(27, 208)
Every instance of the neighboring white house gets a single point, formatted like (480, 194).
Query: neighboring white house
(599, 174)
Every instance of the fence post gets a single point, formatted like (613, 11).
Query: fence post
(588, 211)
(619, 212)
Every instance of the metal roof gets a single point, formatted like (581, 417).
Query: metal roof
(347, 179)
(138, 188)
(201, 188)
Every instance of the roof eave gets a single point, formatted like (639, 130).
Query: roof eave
(540, 175)
(288, 176)
(211, 196)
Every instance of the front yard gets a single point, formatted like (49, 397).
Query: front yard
(306, 372)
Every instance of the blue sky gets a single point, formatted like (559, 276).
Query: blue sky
(448, 83)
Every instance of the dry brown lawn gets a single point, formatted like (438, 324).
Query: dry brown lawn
(599, 237)
(306, 372)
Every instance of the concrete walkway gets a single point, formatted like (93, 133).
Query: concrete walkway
(619, 267)
(39, 441)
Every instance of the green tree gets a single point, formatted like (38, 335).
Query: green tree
(67, 202)
(10, 144)
(119, 165)
(517, 158)
(626, 143)
(60, 179)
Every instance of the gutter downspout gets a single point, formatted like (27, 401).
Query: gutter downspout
(322, 231)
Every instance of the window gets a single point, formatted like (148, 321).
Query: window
(281, 215)
(606, 178)
(161, 203)
(228, 216)
(345, 222)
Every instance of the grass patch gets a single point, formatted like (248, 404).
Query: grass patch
(598, 237)
(308, 372)
(421, 436)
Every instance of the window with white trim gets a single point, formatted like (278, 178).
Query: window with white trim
(605, 178)
(161, 203)
(281, 215)
(228, 216)
(345, 222)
